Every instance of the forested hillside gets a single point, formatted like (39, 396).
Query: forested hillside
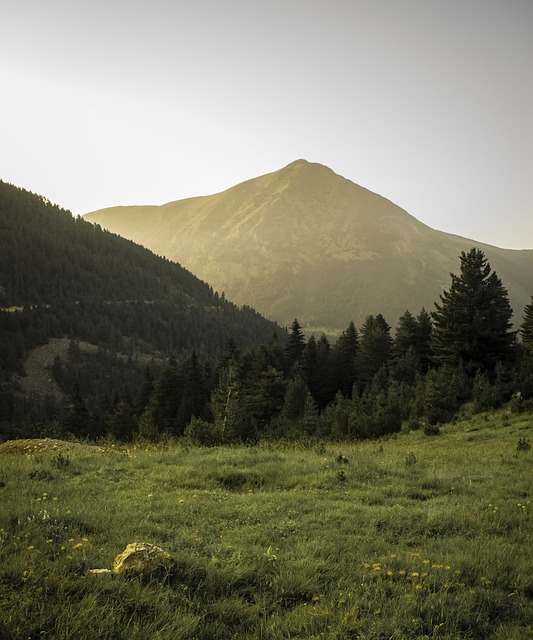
(61, 276)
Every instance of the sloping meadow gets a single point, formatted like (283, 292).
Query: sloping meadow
(409, 537)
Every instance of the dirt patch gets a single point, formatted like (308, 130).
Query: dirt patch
(38, 366)
(36, 445)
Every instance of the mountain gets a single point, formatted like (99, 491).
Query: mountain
(305, 242)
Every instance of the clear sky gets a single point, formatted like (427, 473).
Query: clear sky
(426, 102)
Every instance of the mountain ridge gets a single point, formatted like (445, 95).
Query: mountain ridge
(50, 260)
(305, 242)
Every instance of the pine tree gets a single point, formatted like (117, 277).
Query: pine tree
(472, 325)
(166, 396)
(422, 339)
(78, 420)
(411, 347)
(526, 328)
(405, 334)
(309, 364)
(375, 347)
(295, 346)
(295, 395)
(324, 387)
(147, 428)
(346, 352)
(310, 416)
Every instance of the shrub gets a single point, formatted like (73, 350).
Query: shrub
(203, 433)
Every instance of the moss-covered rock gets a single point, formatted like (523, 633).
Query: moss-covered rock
(144, 560)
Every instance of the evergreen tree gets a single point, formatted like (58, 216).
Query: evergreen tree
(121, 421)
(195, 393)
(266, 397)
(295, 346)
(526, 328)
(405, 334)
(268, 355)
(231, 352)
(78, 420)
(324, 386)
(142, 397)
(309, 364)
(375, 347)
(166, 397)
(309, 420)
(472, 324)
(295, 396)
(444, 390)
(147, 428)
(346, 352)
(422, 339)
(411, 347)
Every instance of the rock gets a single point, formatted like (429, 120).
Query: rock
(145, 560)
(100, 573)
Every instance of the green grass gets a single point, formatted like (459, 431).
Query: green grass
(408, 537)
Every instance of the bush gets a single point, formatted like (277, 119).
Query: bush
(203, 433)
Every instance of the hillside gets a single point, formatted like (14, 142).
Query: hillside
(49, 259)
(304, 242)
(64, 278)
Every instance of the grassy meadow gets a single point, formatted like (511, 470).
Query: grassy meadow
(413, 536)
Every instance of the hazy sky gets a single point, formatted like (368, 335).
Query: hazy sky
(426, 102)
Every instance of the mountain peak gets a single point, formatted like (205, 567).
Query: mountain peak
(303, 242)
(305, 165)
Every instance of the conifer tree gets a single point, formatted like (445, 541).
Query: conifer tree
(166, 396)
(346, 352)
(295, 346)
(526, 328)
(309, 364)
(310, 416)
(295, 395)
(472, 324)
(375, 347)
(78, 420)
(325, 384)
(411, 348)
(422, 339)
(404, 336)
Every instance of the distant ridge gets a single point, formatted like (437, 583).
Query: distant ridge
(305, 242)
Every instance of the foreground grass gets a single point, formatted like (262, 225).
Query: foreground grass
(409, 537)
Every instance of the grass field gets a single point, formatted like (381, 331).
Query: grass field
(414, 536)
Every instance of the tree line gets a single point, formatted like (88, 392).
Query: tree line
(368, 383)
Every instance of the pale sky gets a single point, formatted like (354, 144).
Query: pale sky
(426, 102)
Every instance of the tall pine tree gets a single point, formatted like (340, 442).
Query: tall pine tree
(346, 351)
(295, 346)
(526, 328)
(375, 347)
(472, 324)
